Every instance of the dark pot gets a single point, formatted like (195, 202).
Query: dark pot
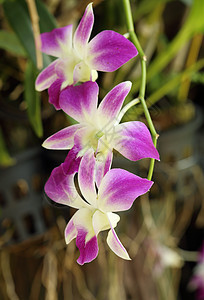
(25, 211)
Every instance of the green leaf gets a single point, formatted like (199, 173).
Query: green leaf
(146, 7)
(194, 24)
(198, 77)
(19, 20)
(32, 99)
(10, 43)
(47, 21)
(5, 159)
(17, 14)
(187, 2)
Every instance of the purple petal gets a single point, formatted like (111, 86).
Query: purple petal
(80, 102)
(60, 186)
(109, 50)
(83, 31)
(54, 93)
(119, 188)
(70, 231)
(63, 139)
(46, 77)
(57, 42)
(86, 240)
(103, 164)
(133, 140)
(86, 177)
(88, 250)
(200, 293)
(113, 101)
(115, 244)
(197, 283)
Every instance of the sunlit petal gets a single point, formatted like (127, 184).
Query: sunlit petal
(80, 102)
(110, 106)
(83, 31)
(60, 186)
(119, 188)
(46, 77)
(57, 42)
(134, 141)
(109, 50)
(70, 231)
(86, 240)
(63, 139)
(86, 177)
(54, 92)
(116, 246)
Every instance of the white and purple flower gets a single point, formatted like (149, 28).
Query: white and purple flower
(197, 281)
(117, 191)
(78, 60)
(98, 127)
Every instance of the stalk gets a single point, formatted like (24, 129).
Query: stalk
(135, 41)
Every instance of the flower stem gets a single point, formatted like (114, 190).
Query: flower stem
(125, 109)
(134, 39)
(36, 31)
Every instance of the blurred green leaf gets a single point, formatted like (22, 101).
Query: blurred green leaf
(5, 159)
(194, 24)
(146, 7)
(32, 99)
(47, 21)
(187, 2)
(9, 42)
(19, 20)
(16, 12)
(172, 84)
(198, 77)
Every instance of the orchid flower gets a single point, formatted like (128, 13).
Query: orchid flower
(117, 192)
(80, 59)
(98, 128)
(165, 257)
(197, 281)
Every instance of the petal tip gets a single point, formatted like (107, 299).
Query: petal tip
(128, 84)
(45, 145)
(127, 257)
(37, 85)
(156, 156)
(90, 6)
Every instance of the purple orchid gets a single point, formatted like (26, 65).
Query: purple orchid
(197, 281)
(98, 128)
(117, 191)
(80, 59)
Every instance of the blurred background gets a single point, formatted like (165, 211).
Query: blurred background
(164, 230)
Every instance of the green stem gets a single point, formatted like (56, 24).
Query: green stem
(134, 39)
